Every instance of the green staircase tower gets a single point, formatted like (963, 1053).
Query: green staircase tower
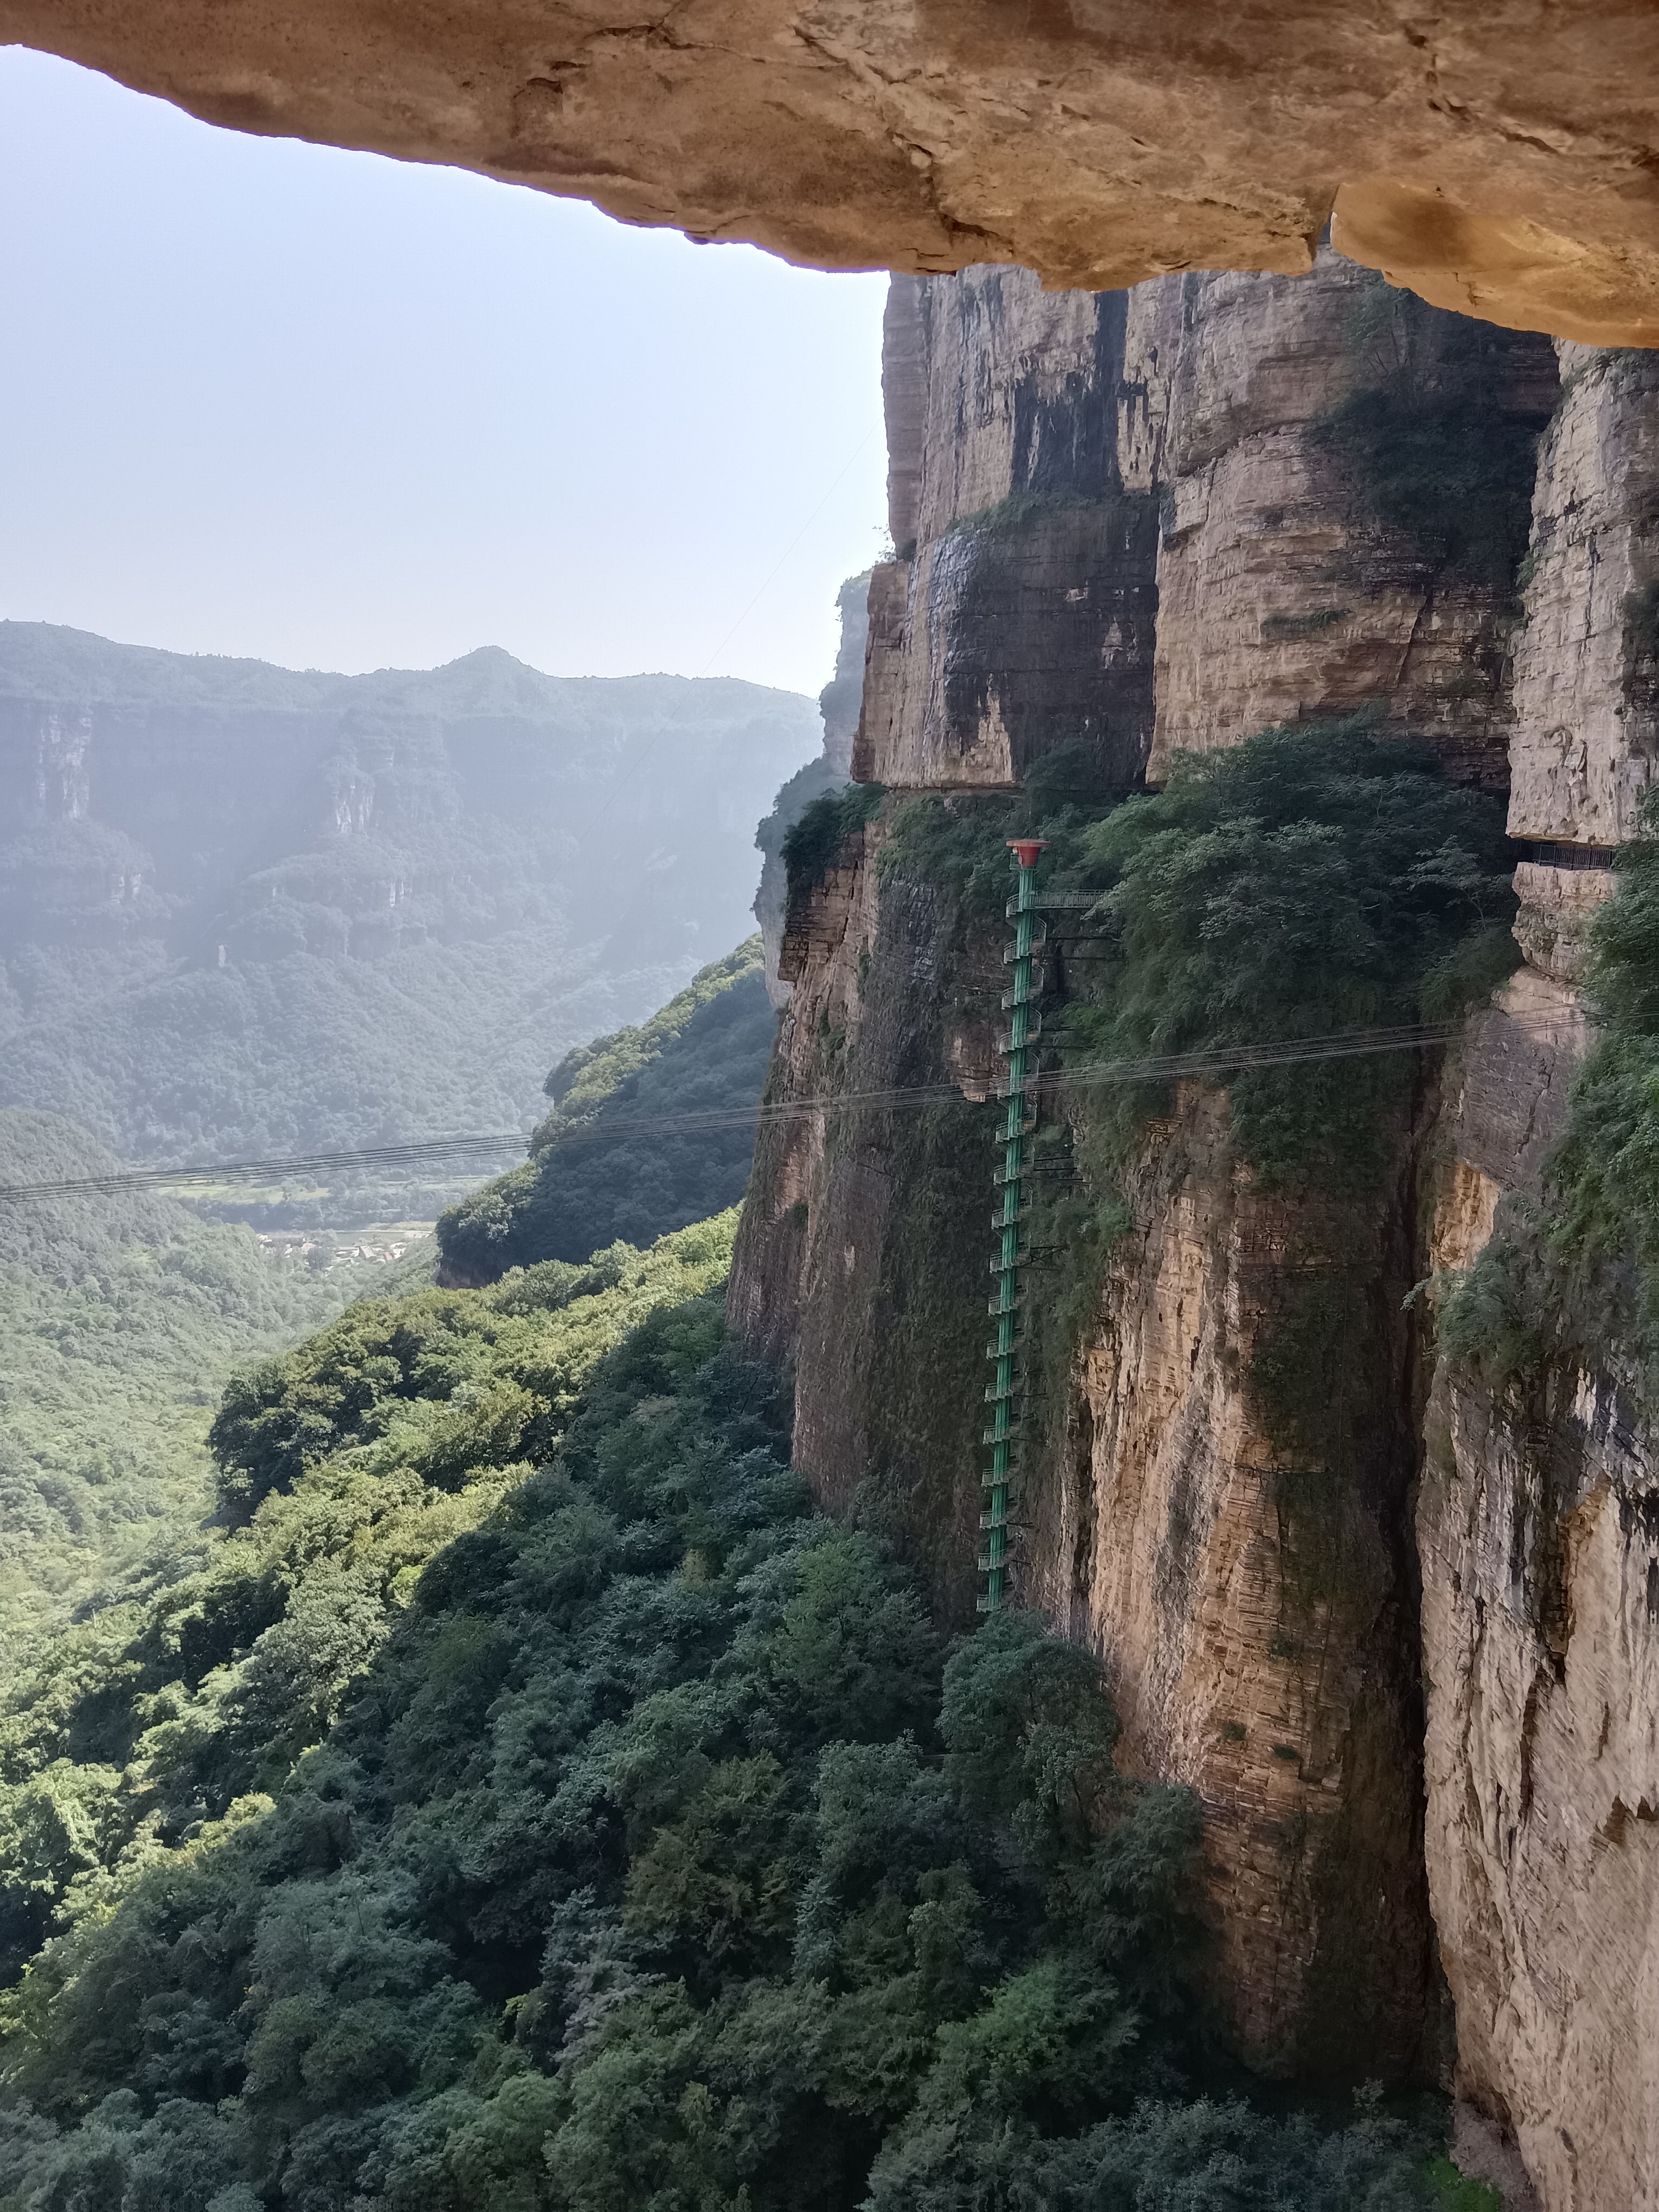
(1018, 1122)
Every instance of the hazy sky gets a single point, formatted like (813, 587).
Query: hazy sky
(338, 412)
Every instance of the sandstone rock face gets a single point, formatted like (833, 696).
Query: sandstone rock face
(1538, 1526)
(1292, 582)
(863, 1248)
(1252, 1606)
(1256, 1653)
(1539, 1515)
(1144, 523)
(1161, 1522)
(1540, 1558)
(1019, 618)
(1587, 663)
(1495, 160)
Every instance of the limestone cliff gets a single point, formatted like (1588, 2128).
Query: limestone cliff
(1300, 569)
(1019, 616)
(1144, 522)
(1123, 524)
(1128, 526)
(1255, 1607)
(863, 1248)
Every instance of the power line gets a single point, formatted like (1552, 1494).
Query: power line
(1168, 1068)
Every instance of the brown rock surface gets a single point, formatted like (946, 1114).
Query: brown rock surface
(864, 1245)
(1538, 1533)
(1253, 1606)
(1498, 159)
(1587, 662)
(1538, 1520)
(1161, 1522)
(1019, 616)
(1283, 592)
(1541, 1632)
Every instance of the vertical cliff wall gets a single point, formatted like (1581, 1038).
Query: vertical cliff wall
(1539, 1518)
(1128, 526)
(1020, 617)
(1326, 543)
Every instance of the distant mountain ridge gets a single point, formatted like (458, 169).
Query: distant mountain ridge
(246, 909)
(48, 661)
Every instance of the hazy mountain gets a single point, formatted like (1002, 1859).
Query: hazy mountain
(246, 909)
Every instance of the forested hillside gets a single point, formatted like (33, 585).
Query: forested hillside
(246, 911)
(527, 1801)
(598, 1170)
(121, 1317)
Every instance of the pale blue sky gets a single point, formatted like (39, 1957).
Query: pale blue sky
(264, 397)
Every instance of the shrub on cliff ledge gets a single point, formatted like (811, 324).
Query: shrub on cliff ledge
(812, 841)
(1314, 880)
(1564, 1283)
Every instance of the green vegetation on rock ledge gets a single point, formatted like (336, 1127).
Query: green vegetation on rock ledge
(1315, 878)
(1559, 1284)
(591, 1178)
(822, 826)
(528, 1802)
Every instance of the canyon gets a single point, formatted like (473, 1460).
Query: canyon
(1406, 1661)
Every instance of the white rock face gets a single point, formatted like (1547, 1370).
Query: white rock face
(1586, 677)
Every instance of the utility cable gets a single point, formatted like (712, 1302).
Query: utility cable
(1167, 1067)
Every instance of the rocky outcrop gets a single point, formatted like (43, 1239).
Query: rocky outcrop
(1139, 524)
(1495, 160)
(1254, 1606)
(838, 704)
(1587, 663)
(1299, 573)
(1538, 1530)
(1020, 618)
(862, 1251)
(1121, 520)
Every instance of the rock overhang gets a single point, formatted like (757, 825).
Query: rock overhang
(1499, 160)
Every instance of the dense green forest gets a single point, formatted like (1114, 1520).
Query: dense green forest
(593, 1177)
(247, 912)
(121, 1317)
(523, 1799)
